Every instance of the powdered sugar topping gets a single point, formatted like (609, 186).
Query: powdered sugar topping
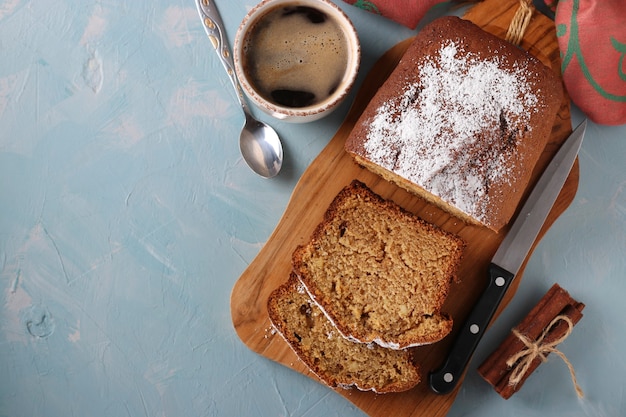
(438, 120)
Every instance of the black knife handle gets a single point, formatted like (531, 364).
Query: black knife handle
(445, 379)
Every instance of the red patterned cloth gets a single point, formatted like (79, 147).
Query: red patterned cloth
(405, 12)
(592, 40)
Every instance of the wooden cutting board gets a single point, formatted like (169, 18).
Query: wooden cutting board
(333, 169)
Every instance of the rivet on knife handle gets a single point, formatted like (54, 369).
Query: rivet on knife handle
(445, 379)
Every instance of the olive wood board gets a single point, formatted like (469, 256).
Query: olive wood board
(333, 169)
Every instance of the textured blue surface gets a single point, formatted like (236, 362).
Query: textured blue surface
(127, 215)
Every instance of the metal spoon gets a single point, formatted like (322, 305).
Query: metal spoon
(259, 144)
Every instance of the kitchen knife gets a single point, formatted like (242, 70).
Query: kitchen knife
(507, 261)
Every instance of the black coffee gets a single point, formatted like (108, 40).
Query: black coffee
(296, 56)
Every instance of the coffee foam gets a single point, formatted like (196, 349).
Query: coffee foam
(286, 51)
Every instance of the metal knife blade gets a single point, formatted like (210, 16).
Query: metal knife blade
(507, 261)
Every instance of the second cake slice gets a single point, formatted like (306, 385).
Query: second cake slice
(379, 273)
(335, 360)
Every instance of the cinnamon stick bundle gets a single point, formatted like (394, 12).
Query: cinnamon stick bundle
(537, 335)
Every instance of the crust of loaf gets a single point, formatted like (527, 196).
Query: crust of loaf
(517, 138)
(335, 360)
(379, 273)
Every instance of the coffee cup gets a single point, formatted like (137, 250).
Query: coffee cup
(296, 60)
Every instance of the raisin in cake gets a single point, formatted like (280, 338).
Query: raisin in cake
(461, 121)
(379, 273)
(337, 361)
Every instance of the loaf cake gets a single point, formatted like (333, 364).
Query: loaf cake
(335, 360)
(378, 272)
(461, 121)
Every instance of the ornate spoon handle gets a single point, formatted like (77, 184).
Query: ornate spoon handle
(214, 27)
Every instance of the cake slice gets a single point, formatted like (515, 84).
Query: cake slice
(335, 360)
(380, 273)
(461, 121)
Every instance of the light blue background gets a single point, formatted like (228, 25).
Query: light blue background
(127, 215)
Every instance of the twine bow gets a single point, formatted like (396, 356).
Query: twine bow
(538, 349)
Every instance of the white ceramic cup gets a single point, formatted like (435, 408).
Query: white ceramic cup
(265, 101)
